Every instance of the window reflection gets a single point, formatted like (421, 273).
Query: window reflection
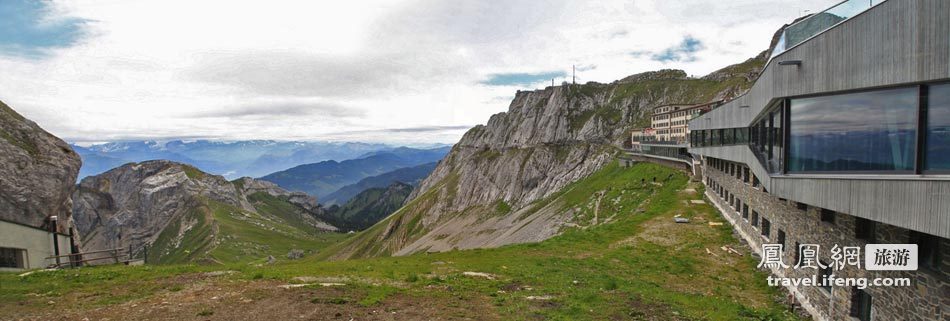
(938, 128)
(868, 131)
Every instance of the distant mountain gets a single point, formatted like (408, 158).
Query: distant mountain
(321, 179)
(185, 215)
(95, 163)
(413, 154)
(367, 207)
(231, 159)
(409, 175)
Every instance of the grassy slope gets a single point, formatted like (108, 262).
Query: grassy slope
(635, 267)
(246, 236)
(227, 234)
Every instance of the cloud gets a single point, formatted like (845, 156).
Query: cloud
(370, 70)
(275, 73)
(30, 28)
(425, 129)
(282, 109)
(522, 79)
(685, 51)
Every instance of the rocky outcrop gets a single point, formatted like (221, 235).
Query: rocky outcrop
(492, 188)
(132, 205)
(37, 172)
(249, 186)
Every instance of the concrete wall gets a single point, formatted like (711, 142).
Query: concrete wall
(37, 243)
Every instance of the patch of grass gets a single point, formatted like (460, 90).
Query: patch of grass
(247, 236)
(238, 184)
(502, 207)
(377, 294)
(337, 300)
(23, 144)
(192, 172)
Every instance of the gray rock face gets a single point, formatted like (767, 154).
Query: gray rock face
(37, 172)
(250, 186)
(134, 203)
(482, 193)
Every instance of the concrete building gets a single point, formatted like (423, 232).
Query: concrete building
(671, 121)
(29, 247)
(844, 140)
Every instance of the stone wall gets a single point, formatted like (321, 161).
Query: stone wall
(928, 297)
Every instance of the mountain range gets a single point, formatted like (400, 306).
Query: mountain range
(408, 175)
(252, 158)
(323, 178)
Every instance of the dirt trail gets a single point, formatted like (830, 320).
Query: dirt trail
(224, 299)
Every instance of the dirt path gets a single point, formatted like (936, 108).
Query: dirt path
(223, 299)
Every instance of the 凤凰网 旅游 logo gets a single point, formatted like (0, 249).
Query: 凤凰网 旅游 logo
(873, 257)
(890, 257)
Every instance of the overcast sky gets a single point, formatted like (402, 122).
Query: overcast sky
(367, 70)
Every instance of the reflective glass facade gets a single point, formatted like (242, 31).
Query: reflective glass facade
(938, 128)
(864, 131)
(897, 130)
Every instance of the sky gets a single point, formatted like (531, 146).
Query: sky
(390, 71)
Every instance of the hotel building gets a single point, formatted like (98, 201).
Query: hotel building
(844, 140)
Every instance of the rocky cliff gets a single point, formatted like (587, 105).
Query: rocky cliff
(493, 187)
(184, 214)
(37, 172)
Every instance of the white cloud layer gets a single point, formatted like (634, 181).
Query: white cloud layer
(379, 70)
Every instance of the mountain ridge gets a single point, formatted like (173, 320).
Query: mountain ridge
(499, 182)
(321, 179)
(409, 175)
(185, 215)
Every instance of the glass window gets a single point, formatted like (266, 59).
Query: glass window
(742, 135)
(715, 137)
(775, 138)
(864, 229)
(728, 137)
(824, 274)
(860, 304)
(11, 258)
(938, 128)
(867, 131)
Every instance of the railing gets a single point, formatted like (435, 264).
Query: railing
(671, 153)
(661, 142)
(116, 255)
(817, 23)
